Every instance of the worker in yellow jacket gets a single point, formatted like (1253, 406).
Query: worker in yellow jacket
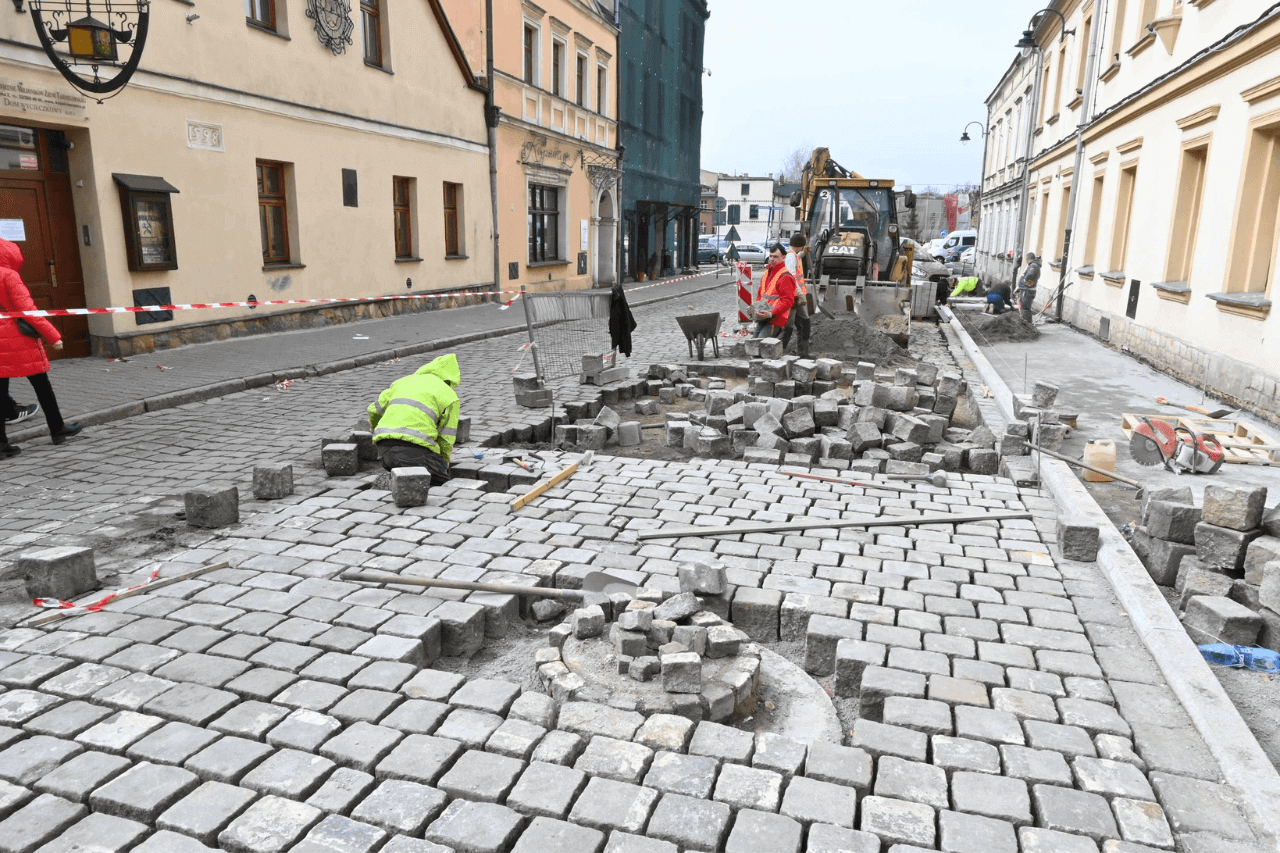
(415, 421)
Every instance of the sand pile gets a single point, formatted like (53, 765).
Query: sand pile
(849, 339)
(990, 328)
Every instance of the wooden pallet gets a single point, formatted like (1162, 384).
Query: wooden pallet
(1243, 444)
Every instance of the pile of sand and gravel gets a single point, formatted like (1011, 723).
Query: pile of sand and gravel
(1008, 327)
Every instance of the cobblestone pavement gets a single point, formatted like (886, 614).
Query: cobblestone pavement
(1005, 702)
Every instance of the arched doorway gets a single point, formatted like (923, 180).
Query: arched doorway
(606, 238)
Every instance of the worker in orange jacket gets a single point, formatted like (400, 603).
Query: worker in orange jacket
(799, 319)
(778, 289)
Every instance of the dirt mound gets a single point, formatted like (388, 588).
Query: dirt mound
(990, 328)
(849, 339)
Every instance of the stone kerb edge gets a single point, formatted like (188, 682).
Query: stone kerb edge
(1242, 761)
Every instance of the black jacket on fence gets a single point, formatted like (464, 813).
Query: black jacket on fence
(621, 323)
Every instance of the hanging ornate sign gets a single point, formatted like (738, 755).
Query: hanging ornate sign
(333, 23)
(95, 35)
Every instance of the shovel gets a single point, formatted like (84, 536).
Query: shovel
(1213, 413)
(601, 582)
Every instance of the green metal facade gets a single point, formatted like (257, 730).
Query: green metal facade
(660, 114)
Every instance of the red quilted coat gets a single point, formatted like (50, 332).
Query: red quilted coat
(20, 355)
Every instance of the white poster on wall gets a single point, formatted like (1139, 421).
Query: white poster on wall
(586, 235)
(13, 230)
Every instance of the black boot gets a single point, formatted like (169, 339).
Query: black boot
(67, 431)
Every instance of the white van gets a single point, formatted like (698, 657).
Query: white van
(956, 238)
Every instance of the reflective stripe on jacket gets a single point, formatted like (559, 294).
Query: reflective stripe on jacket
(421, 409)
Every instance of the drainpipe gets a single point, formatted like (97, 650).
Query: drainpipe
(1090, 67)
(491, 115)
(1026, 167)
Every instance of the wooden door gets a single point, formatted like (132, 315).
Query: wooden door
(41, 198)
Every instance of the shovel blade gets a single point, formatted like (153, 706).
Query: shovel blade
(608, 584)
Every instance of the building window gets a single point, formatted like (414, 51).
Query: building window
(1250, 266)
(148, 222)
(1044, 221)
(557, 68)
(1083, 59)
(261, 13)
(1117, 30)
(746, 189)
(531, 54)
(1148, 15)
(602, 89)
(273, 213)
(753, 212)
(1124, 209)
(1061, 78)
(581, 91)
(544, 223)
(371, 16)
(1044, 90)
(1095, 222)
(1186, 212)
(402, 205)
(735, 214)
(453, 246)
(1063, 224)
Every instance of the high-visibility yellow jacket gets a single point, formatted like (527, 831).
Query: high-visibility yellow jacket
(421, 409)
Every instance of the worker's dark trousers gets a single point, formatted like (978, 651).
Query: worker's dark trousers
(1028, 296)
(404, 454)
(799, 320)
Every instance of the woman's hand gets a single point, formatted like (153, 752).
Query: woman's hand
(58, 345)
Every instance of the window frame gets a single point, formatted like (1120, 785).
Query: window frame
(267, 201)
(453, 220)
(753, 212)
(253, 20)
(1255, 232)
(746, 190)
(372, 10)
(1188, 205)
(559, 51)
(532, 75)
(539, 218)
(733, 214)
(581, 64)
(1090, 254)
(1121, 227)
(406, 207)
(1117, 29)
(602, 88)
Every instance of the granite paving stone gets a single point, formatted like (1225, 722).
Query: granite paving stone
(289, 773)
(262, 683)
(206, 811)
(252, 719)
(75, 779)
(470, 827)
(227, 760)
(28, 760)
(558, 747)
(18, 706)
(749, 788)
(780, 754)
(481, 777)
(403, 807)
(825, 838)
(607, 805)
(811, 801)
(615, 759)
(338, 834)
(722, 742)
(419, 758)
(303, 729)
(342, 790)
(545, 789)
(966, 833)
(1142, 822)
(1036, 765)
(416, 716)
(1194, 805)
(172, 743)
(191, 703)
(310, 695)
(1038, 840)
(271, 825)
(1077, 812)
(361, 745)
(690, 775)
(911, 780)
(991, 796)
(98, 832)
(486, 694)
(42, 819)
(165, 841)
(142, 792)
(898, 821)
(690, 823)
(839, 765)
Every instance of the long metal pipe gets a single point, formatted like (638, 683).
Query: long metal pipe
(822, 523)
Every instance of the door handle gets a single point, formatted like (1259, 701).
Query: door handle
(53, 273)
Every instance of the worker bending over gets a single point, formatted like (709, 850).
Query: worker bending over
(415, 421)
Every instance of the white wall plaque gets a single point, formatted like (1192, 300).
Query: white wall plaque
(37, 100)
(204, 136)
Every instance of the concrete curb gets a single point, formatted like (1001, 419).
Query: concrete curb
(1242, 761)
(173, 399)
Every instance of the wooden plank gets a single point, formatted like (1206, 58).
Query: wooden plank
(38, 621)
(542, 487)
(819, 524)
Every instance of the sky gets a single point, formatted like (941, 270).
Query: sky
(887, 85)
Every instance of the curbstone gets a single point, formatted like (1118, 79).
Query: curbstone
(63, 572)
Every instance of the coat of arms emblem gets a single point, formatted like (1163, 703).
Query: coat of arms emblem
(333, 23)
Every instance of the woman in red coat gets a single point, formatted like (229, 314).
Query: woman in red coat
(24, 356)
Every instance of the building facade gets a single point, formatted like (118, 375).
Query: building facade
(247, 160)
(1008, 129)
(661, 125)
(1185, 120)
(555, 84)
(750, 206)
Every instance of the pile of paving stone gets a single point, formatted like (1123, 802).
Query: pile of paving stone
(662, 634)
(1222, 558)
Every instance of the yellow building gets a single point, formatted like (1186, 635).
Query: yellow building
(248, 158)
(557, 160)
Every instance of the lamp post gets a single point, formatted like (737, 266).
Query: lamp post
(1028, 42)
(982, 176)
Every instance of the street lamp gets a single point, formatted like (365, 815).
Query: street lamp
(964, 135)
(91, 41)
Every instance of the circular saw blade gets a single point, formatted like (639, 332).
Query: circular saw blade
(1144, 450)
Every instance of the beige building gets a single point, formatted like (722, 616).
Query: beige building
(248, 159)
(555, 82)
(1009, 123)
(1175, 249)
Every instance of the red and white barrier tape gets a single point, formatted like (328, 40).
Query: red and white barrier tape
(57, 604)
(138, 309)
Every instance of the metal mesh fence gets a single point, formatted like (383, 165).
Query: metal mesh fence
(568, 326)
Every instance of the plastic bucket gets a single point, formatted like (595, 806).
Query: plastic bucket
(1100, 453)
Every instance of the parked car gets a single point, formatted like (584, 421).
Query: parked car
(708, 254)
(751, 253)
(963, 239)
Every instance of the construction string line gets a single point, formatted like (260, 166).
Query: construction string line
(136, 309)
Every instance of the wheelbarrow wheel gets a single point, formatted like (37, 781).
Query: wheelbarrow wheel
(701, 341)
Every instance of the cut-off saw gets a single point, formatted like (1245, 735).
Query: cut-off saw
(1180, 449)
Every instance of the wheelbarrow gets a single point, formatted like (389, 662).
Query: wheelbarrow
(699, 329)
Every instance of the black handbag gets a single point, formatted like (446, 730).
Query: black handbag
(27, 329)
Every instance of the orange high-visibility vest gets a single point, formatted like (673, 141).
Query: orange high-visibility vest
(800, 283)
